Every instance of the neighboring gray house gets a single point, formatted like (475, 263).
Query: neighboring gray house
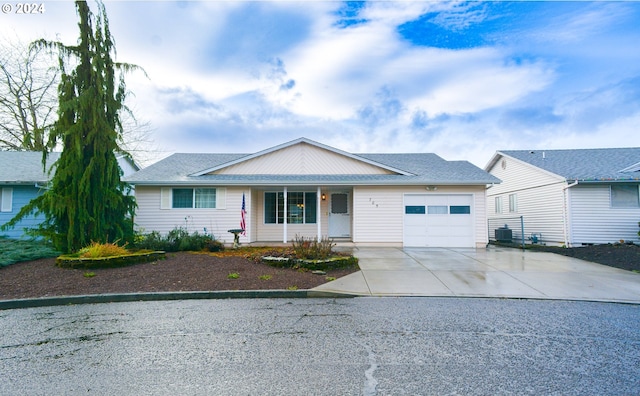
(567, 197)
(22, 178)
(309, 189)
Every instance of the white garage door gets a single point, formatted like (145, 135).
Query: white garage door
(438, 220)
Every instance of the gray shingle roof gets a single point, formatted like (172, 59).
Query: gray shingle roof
(426, 168)
(23, 167)
(584, 164)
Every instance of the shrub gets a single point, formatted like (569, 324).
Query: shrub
(214, 246)
(178, 239)
(96, 250)
(312, 249)
(17, 250)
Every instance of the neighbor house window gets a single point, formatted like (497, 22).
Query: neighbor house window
(625, 196)
(513, 203)
(6, 199)
(194, 198)
(301, 207)
(498, 204)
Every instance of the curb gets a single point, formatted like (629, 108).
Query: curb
(165, 296)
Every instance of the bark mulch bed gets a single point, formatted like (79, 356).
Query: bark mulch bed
(180, 271)
(620, 255)
(201, 272)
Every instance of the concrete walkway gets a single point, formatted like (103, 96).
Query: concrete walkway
(490, 272)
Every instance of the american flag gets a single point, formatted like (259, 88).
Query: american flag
(243, 213)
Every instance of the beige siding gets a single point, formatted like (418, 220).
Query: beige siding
(149, 216)
(540, 200)
(303, 159)
(379, 212)
(377, 215)
(593, 220)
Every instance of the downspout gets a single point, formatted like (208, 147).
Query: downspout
(565, 211)
(319, 212)
(284, 237)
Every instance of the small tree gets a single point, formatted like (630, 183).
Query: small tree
(86, 201)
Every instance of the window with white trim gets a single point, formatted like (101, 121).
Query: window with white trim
(301, 207)
(498, 201)
(6, 199)
(625, 196)
(192, 198)
(513, 202)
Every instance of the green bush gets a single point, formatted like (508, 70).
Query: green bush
(178, 239)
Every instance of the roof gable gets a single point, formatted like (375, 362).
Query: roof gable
(304, 162)
(302, 157)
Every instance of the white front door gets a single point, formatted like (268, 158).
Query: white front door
(339, 215)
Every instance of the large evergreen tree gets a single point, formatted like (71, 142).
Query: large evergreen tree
(87, 201)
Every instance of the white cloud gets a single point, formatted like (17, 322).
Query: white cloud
(219, 83)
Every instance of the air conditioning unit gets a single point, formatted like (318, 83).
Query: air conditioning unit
(504, 234)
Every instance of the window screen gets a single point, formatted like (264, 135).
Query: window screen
(205, 197)
(624, 196)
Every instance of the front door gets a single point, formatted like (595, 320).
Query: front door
(339, 215)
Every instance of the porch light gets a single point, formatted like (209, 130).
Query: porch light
(324, 196)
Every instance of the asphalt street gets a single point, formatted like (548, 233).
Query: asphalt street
(360, 346)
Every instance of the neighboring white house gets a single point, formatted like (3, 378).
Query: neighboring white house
(23, 178)
(309, 189)
(567, 197)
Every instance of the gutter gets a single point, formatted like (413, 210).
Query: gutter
(565, 212)
(304, 183)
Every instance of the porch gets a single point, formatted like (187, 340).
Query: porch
(279, 214)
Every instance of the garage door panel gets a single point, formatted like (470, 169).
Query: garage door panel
(447, 221)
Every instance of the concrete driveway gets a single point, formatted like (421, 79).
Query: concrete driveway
(490, 272)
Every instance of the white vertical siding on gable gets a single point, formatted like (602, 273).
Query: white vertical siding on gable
(302, 159)
(150, 216)
(519, 176)
(593, 220)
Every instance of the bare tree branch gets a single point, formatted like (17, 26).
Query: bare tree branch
(28, 96)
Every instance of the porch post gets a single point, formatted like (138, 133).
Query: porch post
(284, 225)
(319, 213)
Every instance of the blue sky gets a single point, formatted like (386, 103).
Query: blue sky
(460, 79)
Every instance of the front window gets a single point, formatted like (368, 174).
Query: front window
(301, 207)
(194, 198)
